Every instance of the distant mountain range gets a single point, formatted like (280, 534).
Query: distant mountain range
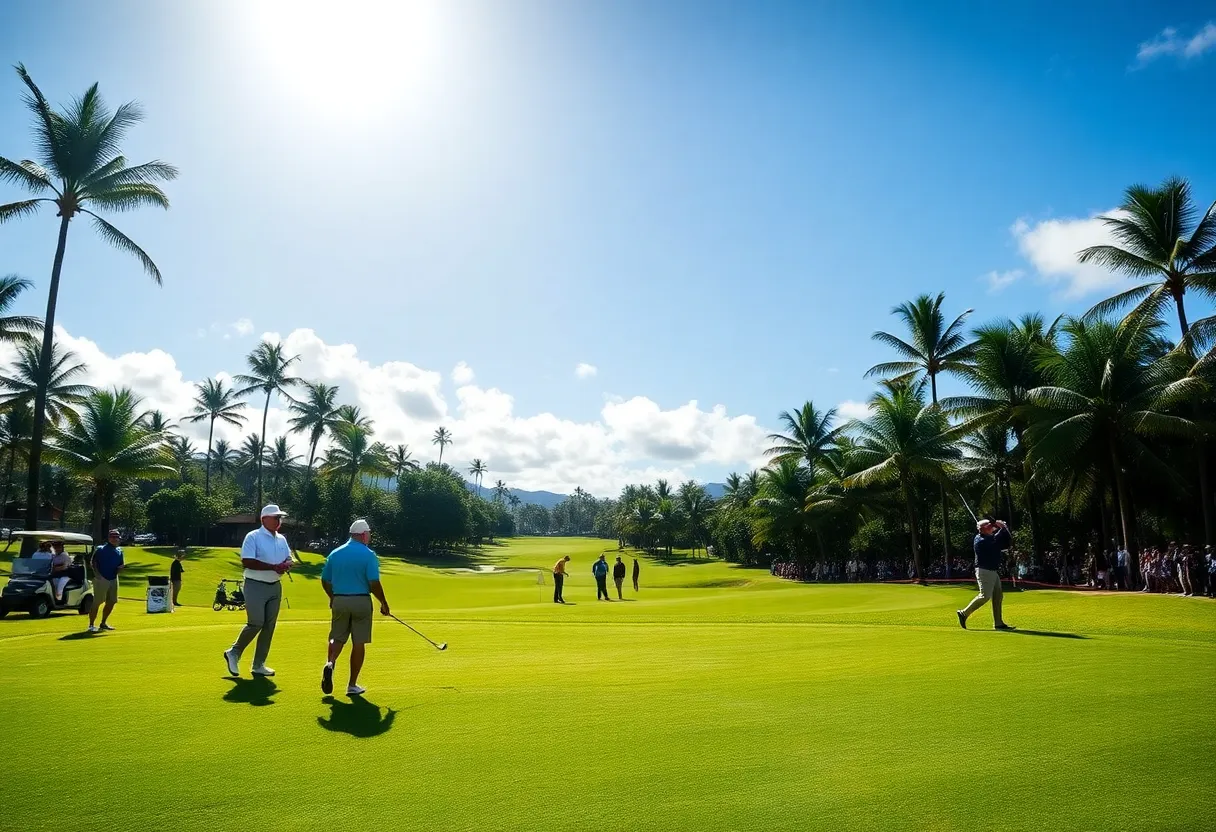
(548, 499)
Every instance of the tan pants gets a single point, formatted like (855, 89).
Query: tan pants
(990, 590)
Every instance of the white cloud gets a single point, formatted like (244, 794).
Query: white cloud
(1168, 43)
(462, 374)
(998, 281)
(1051, 246)
(585, 370)
(242, 326)
(849, 409)
(633, 440)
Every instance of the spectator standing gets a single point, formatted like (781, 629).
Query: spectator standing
(175, 576)
(600, 570)
(637, 573)
(1120, 570)
(618, 576)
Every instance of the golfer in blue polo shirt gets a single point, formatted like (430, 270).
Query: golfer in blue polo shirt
(107, 563)
(350, 577)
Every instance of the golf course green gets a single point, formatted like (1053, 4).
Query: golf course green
(716, 698)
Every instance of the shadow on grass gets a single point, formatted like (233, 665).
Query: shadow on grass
(170, 551)
(79, 636)
(1046, 633)
(258, 691)
(359, 718)
(452, 558)
(18, 616)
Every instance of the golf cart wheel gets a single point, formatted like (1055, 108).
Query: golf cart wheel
(43, 605)
(3, 610)
(86, 604)
(217, 607)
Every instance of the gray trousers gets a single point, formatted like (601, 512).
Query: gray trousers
(261, 614)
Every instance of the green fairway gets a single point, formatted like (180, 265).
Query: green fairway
(716, 698)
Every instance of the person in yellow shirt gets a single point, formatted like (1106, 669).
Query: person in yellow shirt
(559, 578)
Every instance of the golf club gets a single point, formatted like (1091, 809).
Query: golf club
(441, 646)
(969, 511)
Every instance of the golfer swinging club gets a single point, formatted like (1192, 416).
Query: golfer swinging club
(990, 543)
(350, 577)
(266, 558)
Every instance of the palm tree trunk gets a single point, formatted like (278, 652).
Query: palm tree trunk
(945, 499)
(261, 450)
(44, 363)
(913, 531)
(8, 477)
(210, 434)
(441, 444)
(1205, 488)
(1125, 509)
(99, 502)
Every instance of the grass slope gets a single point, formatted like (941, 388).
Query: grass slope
(717, 698)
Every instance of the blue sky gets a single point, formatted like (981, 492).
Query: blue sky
(707, 201)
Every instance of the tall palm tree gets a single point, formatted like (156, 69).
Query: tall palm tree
(352, 415)
(904, 439)
(781, 517)
(215, 400)
(223, 459)
(80, 165)
(514, 502)
(16, 427)
(935, 348)
(353, 454)
(283, 462)
(478, 469)
(268, 373)
(442, 438)
(15, 329)
(62, 390)
(401, 460)
(107, 445)
(1107, 393)
(181, 450)
(315, 413)
(1163, 239)
(500, 491)
(156, 420)
(809, 435)
(695, 506)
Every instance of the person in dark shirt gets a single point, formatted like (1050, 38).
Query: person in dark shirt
(175, 576)
(989, 545)
(618, 576)
(637, 573)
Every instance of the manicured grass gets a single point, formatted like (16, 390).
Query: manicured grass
(717, 698)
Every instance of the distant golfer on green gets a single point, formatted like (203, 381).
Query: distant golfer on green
(350, 577)
(600, 570)
(990, 543)
(559, 579)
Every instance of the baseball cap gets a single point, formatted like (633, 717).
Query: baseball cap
(359, 527)
(273, 510)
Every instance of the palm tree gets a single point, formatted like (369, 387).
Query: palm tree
(401, 461)
(442, 438)
(181, 451)
(223, 459)
(903, 440)
(157, 421)
(352, 415)
(781, 516)
(315, 414)
(353, 454)
(500, 491)
(514, 501)
(935, 348)
(283, 462)
(62, 391)
(268, 373)
(478, 469)
(214, 400)
(107, 445)
(15, 329)
(695, 506)
(809, 435)
(80, 165)
(1107, 390)
(1160, 239)
(16, 427)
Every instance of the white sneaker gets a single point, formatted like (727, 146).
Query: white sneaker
(262, 670)
(355, 690)
(232, 659)
(93, 629)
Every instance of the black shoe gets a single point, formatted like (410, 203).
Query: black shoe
(327, 678)
(962, 619)
(1004, 627)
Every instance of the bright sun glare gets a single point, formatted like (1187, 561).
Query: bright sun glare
(365, 53)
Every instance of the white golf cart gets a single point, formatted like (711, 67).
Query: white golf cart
(30, 588)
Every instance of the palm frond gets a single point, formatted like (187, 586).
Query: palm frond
(20, 209)
(121, 241)
(26, 175)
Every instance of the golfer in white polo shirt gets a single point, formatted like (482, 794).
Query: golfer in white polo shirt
(266, 558)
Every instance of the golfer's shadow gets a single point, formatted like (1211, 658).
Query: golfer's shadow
(258, 691)
(359, 718)
(1047, 633)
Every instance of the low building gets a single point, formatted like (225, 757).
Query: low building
(231, 530)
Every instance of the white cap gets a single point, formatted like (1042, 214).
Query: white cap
(359, 527)
(273, 511)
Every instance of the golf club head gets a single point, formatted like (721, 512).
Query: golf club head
(443, 646)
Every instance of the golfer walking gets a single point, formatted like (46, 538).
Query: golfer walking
(107, 563)
(559, 579)
(637, 573)
(266, 558)
(350, 577)
(989, 544)
(600, 570)
(618, 576)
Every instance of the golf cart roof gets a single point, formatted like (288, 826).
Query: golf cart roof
(66, 537)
